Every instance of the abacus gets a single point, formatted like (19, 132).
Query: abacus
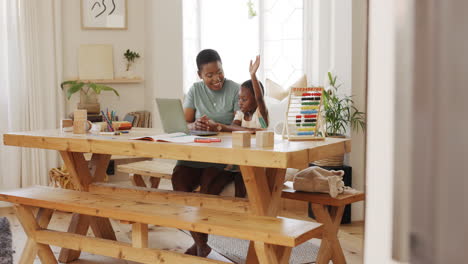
(303, 121)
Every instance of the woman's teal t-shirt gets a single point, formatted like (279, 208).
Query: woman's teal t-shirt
(219, 106)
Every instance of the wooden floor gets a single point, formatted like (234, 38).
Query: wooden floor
(351, 236)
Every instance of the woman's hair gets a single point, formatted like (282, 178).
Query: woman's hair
(248, 85)
(206, 56)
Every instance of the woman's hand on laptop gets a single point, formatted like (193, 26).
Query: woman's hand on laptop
(202, 123)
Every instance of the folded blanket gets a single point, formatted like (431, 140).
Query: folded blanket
(316, 179)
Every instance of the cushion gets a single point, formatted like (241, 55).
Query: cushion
(276, 111)
(277, 92)
(300, 83)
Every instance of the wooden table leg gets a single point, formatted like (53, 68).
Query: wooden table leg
(155, 182)
(79, 225)
(330, 248)
(102, 228)
(30, 226)
(137, 180)
(81, 178)
(264, 188)
(30, 250)
(100, 162)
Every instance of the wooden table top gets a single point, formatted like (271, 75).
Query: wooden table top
(284, 153)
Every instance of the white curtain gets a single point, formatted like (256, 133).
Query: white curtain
(30, 95)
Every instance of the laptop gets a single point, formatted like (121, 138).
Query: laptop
(172, 118)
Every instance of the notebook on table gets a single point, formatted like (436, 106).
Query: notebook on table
(172, 118)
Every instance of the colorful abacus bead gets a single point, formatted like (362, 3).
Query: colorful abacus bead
(309, 111)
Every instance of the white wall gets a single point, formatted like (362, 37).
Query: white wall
(359, 91)
(164, 68)
(380, 133)
(132, 96)
(336, 41)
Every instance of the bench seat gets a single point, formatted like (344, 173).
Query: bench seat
(152, 168)
(328, 211)
(320, 198)
(271, 230)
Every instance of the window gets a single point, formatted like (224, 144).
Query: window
(275, 32)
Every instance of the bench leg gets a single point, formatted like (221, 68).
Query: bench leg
(273, 254)
(139, 235)
(137, 180)
(30, 251)
(154, 182)
(80, 224)
(81, 177)
(30, 226)
(330, 248)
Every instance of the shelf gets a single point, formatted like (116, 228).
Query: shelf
(119, 80)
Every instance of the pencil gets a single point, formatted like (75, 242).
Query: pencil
(109, 126)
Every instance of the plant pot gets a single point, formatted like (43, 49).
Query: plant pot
(128, 74)
(333, 160)
(89, 101)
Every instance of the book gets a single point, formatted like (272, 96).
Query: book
(129, 118)
(178, 137)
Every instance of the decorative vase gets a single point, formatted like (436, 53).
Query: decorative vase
(89, 101)
(128, 74)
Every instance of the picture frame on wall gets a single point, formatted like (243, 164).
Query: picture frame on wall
(104, 14)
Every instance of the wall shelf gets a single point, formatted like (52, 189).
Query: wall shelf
(110, 81)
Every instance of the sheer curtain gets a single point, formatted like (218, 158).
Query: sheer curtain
(30, 73)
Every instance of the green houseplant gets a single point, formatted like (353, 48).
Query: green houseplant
(130, 56)
(88, 93)
(339, 114)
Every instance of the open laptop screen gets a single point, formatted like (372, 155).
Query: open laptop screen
(172, 117)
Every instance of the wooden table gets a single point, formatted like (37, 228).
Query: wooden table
(263, 169)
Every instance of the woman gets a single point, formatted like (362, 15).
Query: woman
(209, 105)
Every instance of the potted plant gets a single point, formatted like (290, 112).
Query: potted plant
(340, 114)
(130, 56)
(88, 94)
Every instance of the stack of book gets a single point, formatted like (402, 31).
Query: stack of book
(139, 119)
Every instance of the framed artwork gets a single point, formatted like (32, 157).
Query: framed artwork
(104, 14)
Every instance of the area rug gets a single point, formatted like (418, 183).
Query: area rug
(6, 251)
(233, 249)
(236, 250)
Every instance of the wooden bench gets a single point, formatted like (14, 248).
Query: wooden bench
(265, 231)
(154, 169)
(328, 211)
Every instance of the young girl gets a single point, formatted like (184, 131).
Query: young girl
(253, 113)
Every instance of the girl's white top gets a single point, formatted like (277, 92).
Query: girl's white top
(253, 123)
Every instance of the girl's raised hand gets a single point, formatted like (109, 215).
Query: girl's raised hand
(254, 67)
